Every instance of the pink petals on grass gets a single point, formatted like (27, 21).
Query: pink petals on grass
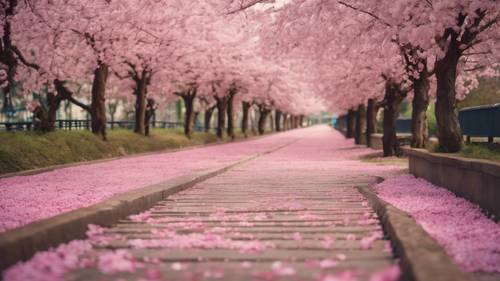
(468, 235)
(25, 199)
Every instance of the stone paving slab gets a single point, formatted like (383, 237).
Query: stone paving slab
(231, 271)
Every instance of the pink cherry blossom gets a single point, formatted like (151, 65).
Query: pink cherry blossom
(116, 261)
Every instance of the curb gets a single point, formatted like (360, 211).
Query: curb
(22, 243)
(421, 257)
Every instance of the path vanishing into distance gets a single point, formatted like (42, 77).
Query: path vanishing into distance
(287, 208)
(292, 214)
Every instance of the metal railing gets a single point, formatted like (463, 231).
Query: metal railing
(85, 125)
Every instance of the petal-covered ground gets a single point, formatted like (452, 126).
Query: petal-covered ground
(25, 199)
(293, 214)
(459, 226)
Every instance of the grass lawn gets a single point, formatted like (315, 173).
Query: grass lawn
(482, 151)
(28, 150)
(478, 150)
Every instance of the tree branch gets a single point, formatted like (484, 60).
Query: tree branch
(365, 12)
(79, 104)
(245, 6)
(23, 59)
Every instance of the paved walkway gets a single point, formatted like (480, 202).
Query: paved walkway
(294, 214)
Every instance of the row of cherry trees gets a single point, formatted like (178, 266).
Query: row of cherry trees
(352, 55)
(154, 51)
(366, 55)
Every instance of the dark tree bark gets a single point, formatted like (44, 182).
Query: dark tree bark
(188, 98)
(351, 122)
(10, 55)
(277, 120)
(416, 64)
(285, 122)
(150, 112)
(221, 115)
(54, 103)
(142, 79)
(97, 108)
(420, 103)
(301, 121)
(360, 124)
(208, 118)
(454, 42)
(448, 128)
(271, 121)
(230, 113)
(371, 120)
(63, 93)
(41, 119)
(244, 120)
(140, 93)
(394, 95)
(98, 102)
(264, 113)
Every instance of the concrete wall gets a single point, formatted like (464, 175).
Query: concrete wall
(473, 179)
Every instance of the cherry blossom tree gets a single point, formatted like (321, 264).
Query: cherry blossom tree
(423, 31)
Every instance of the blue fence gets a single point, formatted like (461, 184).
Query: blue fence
(403, 125)
(480, 121)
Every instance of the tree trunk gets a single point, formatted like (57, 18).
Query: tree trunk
(221, 115)
(419, 110)
(393, 98)
(277, 120)
(140, 105)
(448, 128)
(230, 114)
(264, 113)
(244, 120)
(351, 121)
(301, 121)
(53, 102)
(150, 113)
(360, 124)
(98, 103)
(188, 98)
(271, 122)
(371, 121)
(285, 121)
(208, 118)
